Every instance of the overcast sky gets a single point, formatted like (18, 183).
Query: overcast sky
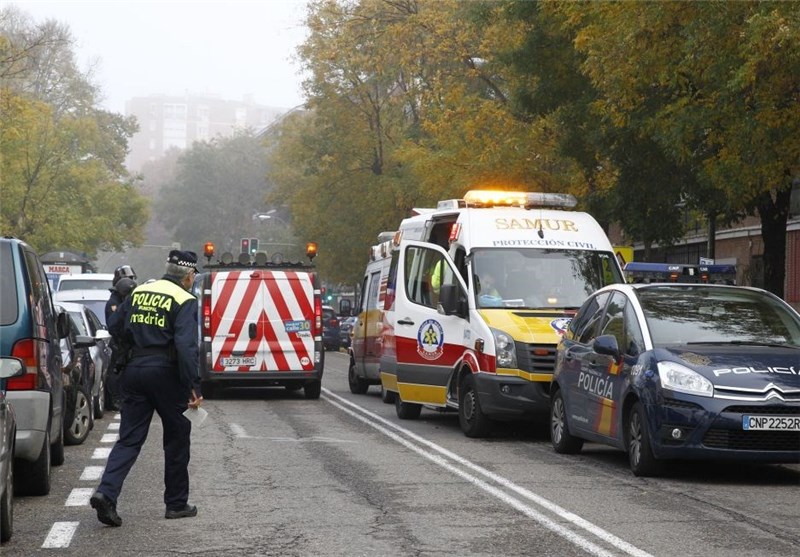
(228, 48)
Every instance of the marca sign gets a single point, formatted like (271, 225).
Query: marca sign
(61, 269)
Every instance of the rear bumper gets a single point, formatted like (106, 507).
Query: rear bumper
(259, 379)
(32, 411)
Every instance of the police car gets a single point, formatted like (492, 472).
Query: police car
(674, 371)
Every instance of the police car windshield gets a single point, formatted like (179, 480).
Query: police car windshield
(679, 315)
(534, 278)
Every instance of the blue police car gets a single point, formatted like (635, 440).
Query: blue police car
(680, 371)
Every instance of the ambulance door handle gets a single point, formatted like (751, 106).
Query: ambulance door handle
(406, 321)
(252, 329)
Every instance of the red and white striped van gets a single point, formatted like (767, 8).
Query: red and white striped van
(260, 325)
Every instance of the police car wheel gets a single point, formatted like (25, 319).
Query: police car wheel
(563, 441)
(388, 397)
(406, 410)
(358, 385)
(640, 454)
(474, 423)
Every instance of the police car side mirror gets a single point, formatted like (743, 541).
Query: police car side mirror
(606, 344)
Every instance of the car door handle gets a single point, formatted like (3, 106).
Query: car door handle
(406, 321)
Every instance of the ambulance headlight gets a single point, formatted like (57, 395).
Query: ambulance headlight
(676, 377)
(506, 351)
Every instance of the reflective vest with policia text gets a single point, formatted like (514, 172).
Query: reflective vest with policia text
(154, 316)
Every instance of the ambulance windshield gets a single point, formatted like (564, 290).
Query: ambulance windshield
(534, 278)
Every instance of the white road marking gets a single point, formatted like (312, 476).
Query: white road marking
(60, 535)
(109, 438)
(92, 473)
(370, 419)
(79, 497)
(101, 453)
(113, 426)
(240, 433)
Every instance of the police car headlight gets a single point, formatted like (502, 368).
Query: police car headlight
(506, 351)
(676, 377)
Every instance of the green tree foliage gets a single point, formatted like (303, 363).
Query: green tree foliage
(62, 170)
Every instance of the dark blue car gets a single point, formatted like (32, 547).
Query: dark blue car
(680, 371)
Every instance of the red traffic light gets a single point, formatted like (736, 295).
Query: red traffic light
(246, 245)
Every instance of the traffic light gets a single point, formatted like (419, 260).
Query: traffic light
(253, 246)
(246, 245)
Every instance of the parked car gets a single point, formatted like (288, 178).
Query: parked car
(89, 325)
(9, 367)
(86, 281)
(680, 371)
(345, 328)
(95, 300)
(331, 339)
(31, 330)
(78, 370)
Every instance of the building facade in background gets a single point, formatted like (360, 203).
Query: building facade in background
(178, 121)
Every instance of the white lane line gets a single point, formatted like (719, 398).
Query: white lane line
(240, 433)
(101, 453)
(60, 535)
(113, 426)
(92, 473)
(79, 497)
(109, 438)
(117, 416)
(529, 511)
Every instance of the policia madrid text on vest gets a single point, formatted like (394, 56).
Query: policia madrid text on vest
(159, 322)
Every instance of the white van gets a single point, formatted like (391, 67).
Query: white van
(478, 294)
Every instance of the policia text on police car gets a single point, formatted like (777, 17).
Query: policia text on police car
(159, 322)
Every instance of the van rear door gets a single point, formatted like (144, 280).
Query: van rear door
(262, 321)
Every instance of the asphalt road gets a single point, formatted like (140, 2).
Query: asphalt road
(275, 474)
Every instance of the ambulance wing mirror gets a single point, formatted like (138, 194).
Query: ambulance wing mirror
(450, 301)
(345, 307)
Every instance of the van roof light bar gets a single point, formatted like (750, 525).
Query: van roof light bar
(528, 200)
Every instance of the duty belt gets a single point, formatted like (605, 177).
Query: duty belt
(167, 351)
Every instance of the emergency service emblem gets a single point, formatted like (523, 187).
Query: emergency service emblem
(430, 340)
(560, 325)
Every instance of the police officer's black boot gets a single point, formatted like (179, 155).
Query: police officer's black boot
(187, 511)
(106, 509)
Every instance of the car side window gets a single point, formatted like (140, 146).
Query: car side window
(423, 274)
(633, 333)
(583, 328)
(613, 321)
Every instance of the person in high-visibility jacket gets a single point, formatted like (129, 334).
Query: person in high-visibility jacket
(159, 322)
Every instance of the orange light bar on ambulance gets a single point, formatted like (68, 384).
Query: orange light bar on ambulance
(208, 249)
(498, 198)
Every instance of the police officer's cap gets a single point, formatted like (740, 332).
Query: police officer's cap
(183, 259)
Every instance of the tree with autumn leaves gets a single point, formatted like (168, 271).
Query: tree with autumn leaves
(641, 109)
(62, 175)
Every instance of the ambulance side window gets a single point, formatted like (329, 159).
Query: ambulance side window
(423, 275)
(364, 295)
(374, 283)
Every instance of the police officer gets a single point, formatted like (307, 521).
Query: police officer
(116, 298)
(123, 284)
(159, 320)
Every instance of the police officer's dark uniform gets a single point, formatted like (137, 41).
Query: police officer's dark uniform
(159, 319)
(122, 285)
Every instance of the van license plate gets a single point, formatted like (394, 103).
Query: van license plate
(238, 361)
(771, 423)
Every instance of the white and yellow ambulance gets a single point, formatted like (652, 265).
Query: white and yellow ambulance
(478, 294)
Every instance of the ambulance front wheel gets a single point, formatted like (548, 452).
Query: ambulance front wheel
(474, 423)
(406, 410)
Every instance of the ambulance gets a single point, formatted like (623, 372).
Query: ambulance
(260, 323)
(478, 293)
(367, 335)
